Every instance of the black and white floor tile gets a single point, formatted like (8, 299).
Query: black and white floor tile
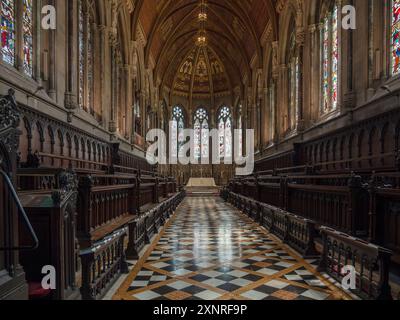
(210, 251)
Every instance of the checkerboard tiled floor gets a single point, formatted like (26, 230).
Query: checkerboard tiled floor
(210, 251)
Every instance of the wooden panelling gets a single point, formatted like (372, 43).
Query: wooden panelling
(12, 278)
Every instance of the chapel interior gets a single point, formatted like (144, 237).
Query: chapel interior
(316, 83)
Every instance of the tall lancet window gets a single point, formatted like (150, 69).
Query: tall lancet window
(85, 57)
(395, 36)
(294, 79)
(27, 29)
(8, 20)
(13, 21)
(201, 134)
(177, 134)
(225, 132)
(330, 61)
(240, 128)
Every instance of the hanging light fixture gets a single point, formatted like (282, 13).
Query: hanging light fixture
(201, 40)
(203, 11)
(201, 37)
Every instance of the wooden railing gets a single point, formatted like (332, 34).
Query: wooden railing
(270, 190)
(339, 201)
(367, 145)
(371, 264)
(65, 161)
(385, 211)
(142, 228)
(297, 232)
(40, 179)
(147, 195)
(299, 170)
(103, 208)
(137, 235)
(102, 264)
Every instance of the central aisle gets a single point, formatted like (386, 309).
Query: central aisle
(210, 251)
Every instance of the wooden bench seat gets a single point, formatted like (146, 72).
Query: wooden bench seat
(111, 226)
(105, 205)
(147, 207)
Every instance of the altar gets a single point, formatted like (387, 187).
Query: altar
(202, 187)
(201, 182)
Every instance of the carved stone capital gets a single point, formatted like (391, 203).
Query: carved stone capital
(300, 36)
(349, 100)
(70, 101)
(112, 126)
(312, 28)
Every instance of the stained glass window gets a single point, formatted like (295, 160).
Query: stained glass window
(201, 134)
(221, 133)
(8, 31)
(27, 28)
(325, 66)
(181, 136)
(228, 137)
(240, 128)
(197, 139)
(178, 125)
(174, 139)
(395, 37)
(330, 61)
(225, 132)
(335, 58)
(205, 140)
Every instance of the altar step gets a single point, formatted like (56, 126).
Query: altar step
(202, 191)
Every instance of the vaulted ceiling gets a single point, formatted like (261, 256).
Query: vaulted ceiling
(233, 29)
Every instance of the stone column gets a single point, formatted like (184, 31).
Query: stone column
(72, 83)
(96, 95)
(265, 119)
(104, 61)
(19, 53)
(38, 50)
(128, 100)
(275, 81)
(142, 101)
(346, 80)
(257, 122)
(300, 38)
(283, 115)
(114, 84)
(314, 78)
(371, 51)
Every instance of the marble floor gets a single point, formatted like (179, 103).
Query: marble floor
(210, 251)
